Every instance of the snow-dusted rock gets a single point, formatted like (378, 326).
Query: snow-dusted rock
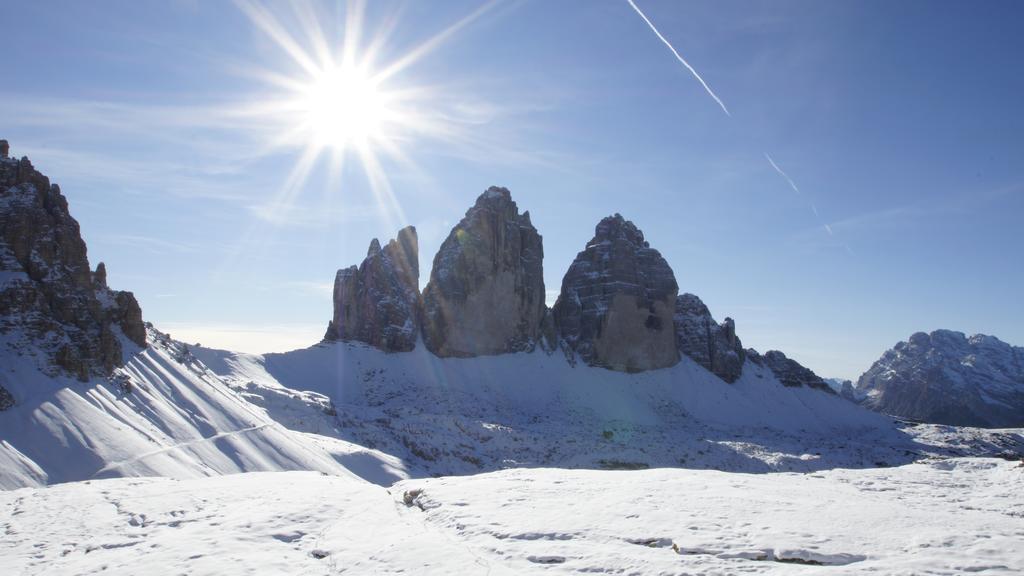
(788, 371)
(713, 346)
(948, 378)
(618, 301)
(49, 297)
(378, 302)
(6, 400)
(486, 289)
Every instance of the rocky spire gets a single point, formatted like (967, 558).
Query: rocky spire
(713, 346)
(47, 289)
(378, 302)
(486, 289)
(618, 300)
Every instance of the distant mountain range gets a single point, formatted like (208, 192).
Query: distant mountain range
(947, 377)
(474, 373)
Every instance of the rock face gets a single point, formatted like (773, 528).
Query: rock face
(378, 302)
(788, 371)
(486, 290)
(617, 302)
(713, 346)
(6, 400)
(48, 294)
(948, 378)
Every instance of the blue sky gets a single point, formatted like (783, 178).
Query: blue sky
(900, 124)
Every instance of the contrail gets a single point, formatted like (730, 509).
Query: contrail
(784, 175)
(711, 93)
(680, 58)
(797, 190)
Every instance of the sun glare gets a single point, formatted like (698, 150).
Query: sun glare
(343, 108)
(344, 100)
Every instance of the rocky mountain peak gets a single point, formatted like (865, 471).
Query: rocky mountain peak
(947, 377)
(377, 303)
(99, 277)
(616, 228)
(49, 296)
(486, 289)
(714, 346)
(617, 303)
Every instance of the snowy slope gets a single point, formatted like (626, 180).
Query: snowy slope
(177, 420)
(470, 415)
(941, 517)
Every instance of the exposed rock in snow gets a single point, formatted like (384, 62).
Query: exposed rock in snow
(486, 289)
(6, 400)
(713, 346)
(618, 301)
(948, 378)
(378, 302)
(789, 371)
(48, 294)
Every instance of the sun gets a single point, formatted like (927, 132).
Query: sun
(343, 108)
(345, 98)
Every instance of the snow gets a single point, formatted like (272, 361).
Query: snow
(179, 420)
(348, 409)
(466, 416)
(323, 460)
(939, 517)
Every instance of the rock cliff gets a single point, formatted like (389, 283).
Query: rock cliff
(378, 302)
(48, 293)
(486, 290)
(712, 345)
(617, 302)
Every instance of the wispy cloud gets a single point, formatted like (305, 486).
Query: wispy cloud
(680, 58)
(898, 217)
(149, 244)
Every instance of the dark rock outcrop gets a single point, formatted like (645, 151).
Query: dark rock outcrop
(949, 378)
(486, 290)
(48, 294)
(713, 346)
(788, 371)
(378, 302)
(617, 302)
(6, 400)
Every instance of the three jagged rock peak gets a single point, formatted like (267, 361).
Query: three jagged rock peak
(619, 306)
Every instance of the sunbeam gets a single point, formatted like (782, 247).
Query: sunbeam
(338, 102)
